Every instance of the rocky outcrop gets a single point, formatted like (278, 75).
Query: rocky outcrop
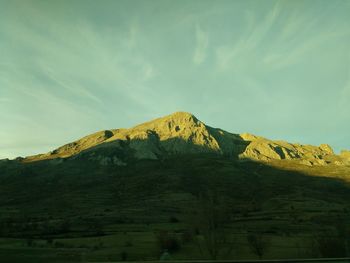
(183, 133)
(179, 133)
(75, 147)
(262, 149)
(345, 155)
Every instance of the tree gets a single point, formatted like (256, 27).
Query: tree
(258, 244)
(343, 231)
(167, 241)
(65, 226)
(209, 221)
(331, 246)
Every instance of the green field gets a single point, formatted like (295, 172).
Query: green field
(75, 211)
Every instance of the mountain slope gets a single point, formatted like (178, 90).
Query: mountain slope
(116, 190)
(178, 133)
(183, 133)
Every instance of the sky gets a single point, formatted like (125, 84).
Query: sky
(278, 69)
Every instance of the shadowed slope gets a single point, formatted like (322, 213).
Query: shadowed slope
(96, 196)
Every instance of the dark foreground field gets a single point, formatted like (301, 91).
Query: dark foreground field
(195, 207)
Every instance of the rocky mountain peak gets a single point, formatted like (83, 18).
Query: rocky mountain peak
(183, 133)
(176, 121)
(180, 132)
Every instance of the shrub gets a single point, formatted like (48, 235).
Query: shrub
(258, 244)
(187, 236)
(167, 241)
(173, 219)
(49, 241)
(30, 242)
(123, 255)
(331, 247)
(59, 244)
(128, 244)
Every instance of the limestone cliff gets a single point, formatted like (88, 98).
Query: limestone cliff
(266, 150)
(183, 133)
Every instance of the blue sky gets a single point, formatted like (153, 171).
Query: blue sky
(279, 69)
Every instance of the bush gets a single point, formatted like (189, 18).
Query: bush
(330, 247)
(173, 219)
(123, 256)
(49, 241)
(258, 244)
(167, 241)
(30, 242)
(128, 244)
(187, 236)
(59, 244)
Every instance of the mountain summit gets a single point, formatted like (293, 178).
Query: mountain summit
(183, 133)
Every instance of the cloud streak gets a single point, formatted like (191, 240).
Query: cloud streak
(114, 65)
(202, 41)
(255, 32)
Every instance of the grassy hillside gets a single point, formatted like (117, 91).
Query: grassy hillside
(78, 210)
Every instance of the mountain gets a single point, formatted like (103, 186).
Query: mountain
(183, 133)
(173, 183)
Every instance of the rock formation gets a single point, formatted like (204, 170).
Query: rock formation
(183, 133)
(345, 155)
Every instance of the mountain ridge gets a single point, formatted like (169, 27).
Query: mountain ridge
(183, 133)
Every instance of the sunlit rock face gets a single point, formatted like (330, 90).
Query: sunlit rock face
(266, 150)
(179, 133)
(183, 133)
(75, 147)
(345, 155)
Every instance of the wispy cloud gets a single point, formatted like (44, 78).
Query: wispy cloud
(283, 37)
(78, 65)
(202, 41)
(78, 57)
(255, 32)
(148, 71)
(74, 88)
(277, 60)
